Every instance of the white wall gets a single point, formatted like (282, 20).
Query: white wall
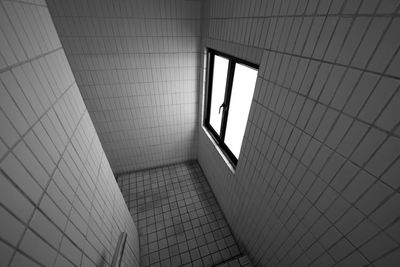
(136, 65)
(59, 202)
(318, 175)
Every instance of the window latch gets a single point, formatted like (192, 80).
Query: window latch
(222, 106)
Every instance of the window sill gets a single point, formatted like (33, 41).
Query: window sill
(228, 163)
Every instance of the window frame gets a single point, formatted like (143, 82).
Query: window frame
(220, 139)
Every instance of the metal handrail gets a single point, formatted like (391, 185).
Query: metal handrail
(119, 250)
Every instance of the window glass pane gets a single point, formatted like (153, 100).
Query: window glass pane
(244, 81)
(218, 91)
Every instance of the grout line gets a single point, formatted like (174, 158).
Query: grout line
(29, 60)
(159, 175)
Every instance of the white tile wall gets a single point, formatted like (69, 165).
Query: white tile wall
(59, 202)
(317, 181)
(136, 65)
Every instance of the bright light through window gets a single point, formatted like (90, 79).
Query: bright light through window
(218, 92)
(244, 82)
(230, 87)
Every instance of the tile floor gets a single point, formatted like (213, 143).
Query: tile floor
(179, 220)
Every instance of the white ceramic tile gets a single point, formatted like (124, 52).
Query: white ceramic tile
(28, 90)
(378, 246)
(70, 251)
(11, 110)
(11, 229)
(28, 28)
(354, 152)
(8, 133)
(373, 197)
(6, 50)
(390, 175)
(156, 73)
(62, 261)
(19, 30)
(40, 153)
(372, 140)
(384, 157)
(38, 88)
(369, 42)
(37, 248)
(12, 198)
(22, 260)
(130, 72)
(384, 216)
(53, 212)
(31, 164)
(17, 94)
(42, 134)
(378, 99)
(16, 171)
(6, 253)
(386, 49)
(11, 36)
(46, 229)
(354, 37)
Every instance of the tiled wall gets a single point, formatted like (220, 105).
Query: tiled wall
(136, 65)
(318, 175)
(59, 202)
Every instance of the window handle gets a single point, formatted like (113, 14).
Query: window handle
(222, 106)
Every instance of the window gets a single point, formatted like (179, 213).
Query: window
(230, 87)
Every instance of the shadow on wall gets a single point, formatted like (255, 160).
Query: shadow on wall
(102, 262)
